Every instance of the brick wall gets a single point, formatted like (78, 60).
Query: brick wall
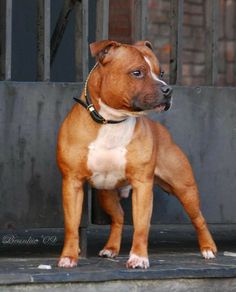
(227, 43)
(159, 31)
(194, 39)
(193, 43)
(120, 26)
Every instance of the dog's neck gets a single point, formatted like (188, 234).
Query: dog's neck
(110, 113)
(104, 110)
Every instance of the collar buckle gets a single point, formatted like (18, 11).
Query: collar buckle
(90, 108)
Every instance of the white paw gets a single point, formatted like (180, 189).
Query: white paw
(136, 261)
(66, 262)
(208, 254)
(107, 253)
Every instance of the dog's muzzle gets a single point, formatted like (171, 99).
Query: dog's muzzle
(160, 102)
(167, 94)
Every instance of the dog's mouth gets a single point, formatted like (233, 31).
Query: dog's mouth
(162, 107)
(151, 103)
(140, 110)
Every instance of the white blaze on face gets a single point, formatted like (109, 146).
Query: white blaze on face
(154, 76)
(107, 153)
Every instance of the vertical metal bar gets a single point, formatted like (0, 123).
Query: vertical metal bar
(43, 39)
(212, 22)
(234, 28)
(84, 223)
(8, 40)
(60, 27)
(102, 19)
(2, 38)
(176, 39)
(47, 30)
(89, 196)
(83, 242)
(139, 20)
(81, 40)
(40, 40)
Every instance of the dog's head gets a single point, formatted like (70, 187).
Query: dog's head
(130, 77)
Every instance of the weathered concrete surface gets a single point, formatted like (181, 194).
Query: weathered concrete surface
(30, 116)
(176, 265)
(185, 271)
(202, 121)
(180, 285)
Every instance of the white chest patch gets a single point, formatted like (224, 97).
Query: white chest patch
(107, 153)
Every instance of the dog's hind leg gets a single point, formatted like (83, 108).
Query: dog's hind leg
(174, 174)
(110, 202)
(189, 198)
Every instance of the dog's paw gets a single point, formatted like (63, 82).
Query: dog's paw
(136, 261)
(67, 262)
(208, 254)
(107, 253)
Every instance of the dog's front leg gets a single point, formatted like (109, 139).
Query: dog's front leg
(142, 202)
(72, 204)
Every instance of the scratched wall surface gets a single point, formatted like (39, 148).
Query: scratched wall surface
(202, 121)
(30, 183)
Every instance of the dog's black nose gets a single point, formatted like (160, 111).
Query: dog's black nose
(167, 90)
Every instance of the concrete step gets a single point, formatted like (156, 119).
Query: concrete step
(175, 265)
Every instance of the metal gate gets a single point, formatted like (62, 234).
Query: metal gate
(202, 121)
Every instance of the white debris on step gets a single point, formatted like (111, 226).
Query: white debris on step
(229, 254)
(44, 267)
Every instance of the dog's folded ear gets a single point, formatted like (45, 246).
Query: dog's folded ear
(102, 50)
(144, 43)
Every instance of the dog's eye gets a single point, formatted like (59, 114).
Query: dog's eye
(162, 74)
(137, 74)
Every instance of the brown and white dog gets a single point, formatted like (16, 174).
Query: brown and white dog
(122, 150)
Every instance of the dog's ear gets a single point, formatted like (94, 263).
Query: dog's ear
(144, 43)
(102, 50)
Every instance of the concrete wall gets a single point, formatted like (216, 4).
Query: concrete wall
(30, 115)
(202, 121)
